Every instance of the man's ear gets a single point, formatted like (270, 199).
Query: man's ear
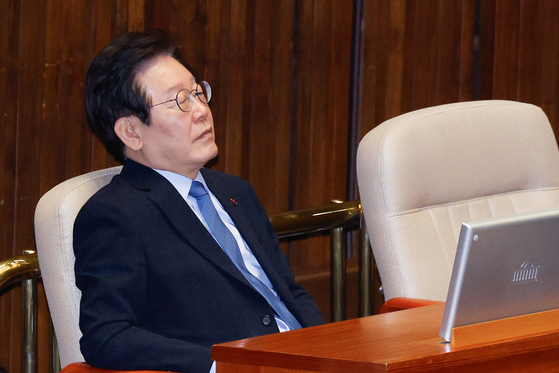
(126, 128)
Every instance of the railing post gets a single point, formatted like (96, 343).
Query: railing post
(29, 323)
(54, 353)
(338, 272)
(365, 271)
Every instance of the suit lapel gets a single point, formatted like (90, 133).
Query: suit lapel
(180, 215)
(236, 209)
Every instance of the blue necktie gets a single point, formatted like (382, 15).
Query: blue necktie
(228, 243)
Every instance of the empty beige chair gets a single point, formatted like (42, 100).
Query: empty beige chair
(54, 226)
(422, 174)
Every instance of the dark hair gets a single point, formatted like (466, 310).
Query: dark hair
(112, 89)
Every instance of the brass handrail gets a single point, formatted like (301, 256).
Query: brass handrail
(335, 217)
(13, 269)
(321, 218)
(25, 269)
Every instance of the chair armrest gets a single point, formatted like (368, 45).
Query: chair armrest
(397, 304)
(86, 368)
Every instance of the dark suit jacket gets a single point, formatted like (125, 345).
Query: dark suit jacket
(157, 290)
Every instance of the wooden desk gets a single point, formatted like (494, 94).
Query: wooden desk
(403, 341)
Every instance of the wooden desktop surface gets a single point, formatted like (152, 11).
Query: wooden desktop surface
(403, 341)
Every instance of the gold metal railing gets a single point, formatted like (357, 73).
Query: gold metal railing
(25, 269)
(17, 267)
(337, 218)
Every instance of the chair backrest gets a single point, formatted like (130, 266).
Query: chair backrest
(424, 173)
(54, 225)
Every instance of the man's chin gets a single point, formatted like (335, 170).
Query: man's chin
(211, 153)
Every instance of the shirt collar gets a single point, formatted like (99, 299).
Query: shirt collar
(181, 183)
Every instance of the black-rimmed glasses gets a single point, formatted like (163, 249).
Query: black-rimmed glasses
(185, 97)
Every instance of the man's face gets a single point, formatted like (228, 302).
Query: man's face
(175, 141)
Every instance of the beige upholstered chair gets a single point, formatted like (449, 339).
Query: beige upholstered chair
(54, 225)
(422, 174)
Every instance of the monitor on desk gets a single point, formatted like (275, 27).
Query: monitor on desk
(504, 267)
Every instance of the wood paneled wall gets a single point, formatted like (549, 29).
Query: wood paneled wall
(282, 78)
(425, 53)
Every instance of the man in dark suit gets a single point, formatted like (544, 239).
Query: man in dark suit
(171, 258)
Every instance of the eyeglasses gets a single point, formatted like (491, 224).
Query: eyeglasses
(185, 98)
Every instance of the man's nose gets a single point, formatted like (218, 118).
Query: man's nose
(199, 110)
